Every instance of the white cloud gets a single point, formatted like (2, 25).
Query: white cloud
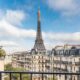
(54, 39)
(49, 45)
(15, 16)
(7, 29)
(66, 7)
(66, 37)
(1, 14)
(8, 43)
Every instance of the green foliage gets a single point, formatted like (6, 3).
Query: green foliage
(2, 53)
(6, 78)
(52, 78)
(16, 76)
(9, 67)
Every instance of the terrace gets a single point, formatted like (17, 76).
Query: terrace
(43, 75)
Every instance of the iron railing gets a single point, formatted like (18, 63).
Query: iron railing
(42, 75)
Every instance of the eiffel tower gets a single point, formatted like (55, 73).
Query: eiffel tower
(39, 45)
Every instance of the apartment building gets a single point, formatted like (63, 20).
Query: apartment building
(22, 60)
(67, 59)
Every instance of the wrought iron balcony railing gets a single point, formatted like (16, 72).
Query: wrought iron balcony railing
(41, 75)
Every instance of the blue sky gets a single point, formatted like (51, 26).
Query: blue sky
(18, 22)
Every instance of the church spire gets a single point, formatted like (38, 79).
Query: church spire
(39, 45)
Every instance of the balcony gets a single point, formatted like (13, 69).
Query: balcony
(41, 75)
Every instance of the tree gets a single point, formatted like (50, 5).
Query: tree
(52, 78)
(2, 52)
(16, 76)
(8, 67)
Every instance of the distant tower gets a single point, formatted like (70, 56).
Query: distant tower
(39, 45)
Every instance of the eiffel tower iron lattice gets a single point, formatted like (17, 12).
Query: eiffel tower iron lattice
(39, 45)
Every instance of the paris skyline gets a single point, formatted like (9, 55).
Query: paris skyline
(18, 23)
